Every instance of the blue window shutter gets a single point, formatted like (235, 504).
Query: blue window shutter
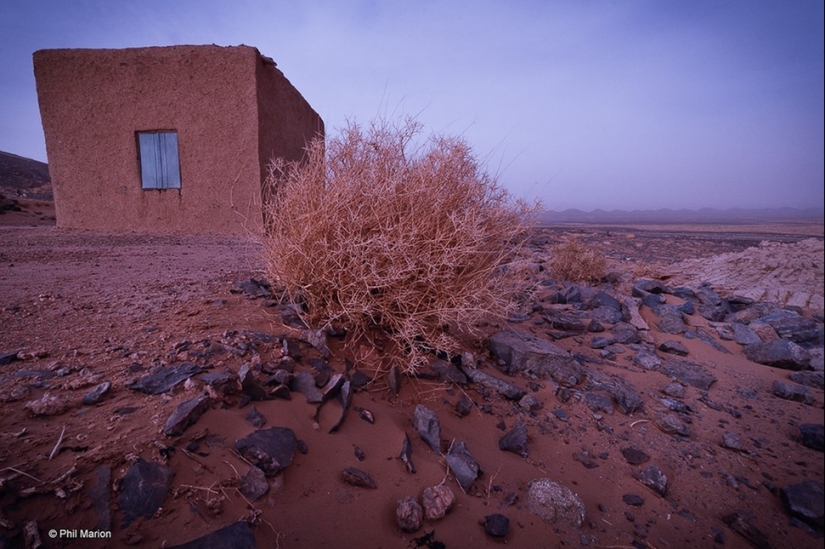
(159, 164)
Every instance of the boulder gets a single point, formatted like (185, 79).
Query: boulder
(744, 335)
(653, 478)
(253, 483)
(429, 428)
(809, 379)
(496, 525)
(502, 387)
(462, 464)
(437, 501)
(97, 393)
(408, 514)
(792, 391)
(805, 500)
(163, 380)
(812, 435)
(143, 490)
(185, 415)
(689, 373)
(779, 353)
(271, 450)
(515, 440)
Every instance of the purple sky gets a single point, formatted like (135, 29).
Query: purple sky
(582, 104)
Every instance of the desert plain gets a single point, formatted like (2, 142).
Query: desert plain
(81, 309)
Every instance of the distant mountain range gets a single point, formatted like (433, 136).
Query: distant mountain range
(24, 178)
(668, 216)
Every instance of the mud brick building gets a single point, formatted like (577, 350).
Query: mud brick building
(167, 138)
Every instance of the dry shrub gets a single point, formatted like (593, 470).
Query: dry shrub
(378, 237)
(575, 262)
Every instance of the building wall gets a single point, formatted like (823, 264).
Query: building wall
(93, 102)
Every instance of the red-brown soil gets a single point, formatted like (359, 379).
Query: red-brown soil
(111, 306)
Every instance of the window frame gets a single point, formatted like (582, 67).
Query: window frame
(158, 159)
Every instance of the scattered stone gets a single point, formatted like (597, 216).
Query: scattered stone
(462, 464)
(689, 373)
(805, 500)
(739, 522)
(304, 383)
(633, 500)
(249, 383)
(504, 388)
(253, 483)
(96, 395)
(223, 383)
(675, 405)
(185, 415)
(631, 305)
(625, 333)
(670, 319)
(345, 400)
(779, 353)
(318, 339)
(143, 490)
(99, 494)
(408, 514)
(809, 379)
(598, 402)
(406, 454)
(47, 405)
(674, 348)
(437, 501)
(496, 525)
(647, 360)
(627, 399)
(359, 478)
(523, 352)
(706, 338)
(449, 372)
(429, 428)
(813, 436)
(793, 326)
(271, 450)
(163, 380)
(644, 286)
(604, 314)
(792, 391)
(554, 503)
(653, 478)
(238, 535)
(463, 406)
(601, 342)
(671, 425)
(733, 441)
(529, 403)
(515, 440)
(255, 417)
(675, 390)
(585, 459)
(635, 456)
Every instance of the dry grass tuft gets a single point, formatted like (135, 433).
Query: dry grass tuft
(382, 238)
(575, 262)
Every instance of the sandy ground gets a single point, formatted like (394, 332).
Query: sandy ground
(83, 307)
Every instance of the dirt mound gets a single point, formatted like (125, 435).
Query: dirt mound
(789, 274)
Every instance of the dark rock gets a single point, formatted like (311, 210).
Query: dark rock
(99, 494)
(605, 314)
(238, 535)
(143, 490)
(671, 425)
(714, 313)
(530, 403)
(462, 464)
(604, 299)
(733, 441)
(253, 483)
(523, 352)
(359, 478)
(449, 372)
(653, 478)
(97, 393)
(408, 514)
(779, 353)
(635, 456)
(394, 379)
(504, 388)
(688, 373)
(585, 459)
(813, 436)
(810, 379)
(345, 400)
(626, 398)
(625, 333)
(595, 326)
(647, 359)
(555, 503)
(496, 525)
(223, 383)
(271, 450)
(601, 342)
(186, 414)
(7, 358)
(633, 500)
(318, 339)
(739, 522)
(254, 289)
(463, 406)
(653, 300)
(598, 402)
(255, 417)
(792, 391)
(805, 500)
(744, 335)
(515, 440)
(707, 296)
(675, 390)
(437, 501)
(707, 339)
(674, 348)
(428, 427)
(670, 319)
(304, 383)
(675, 405)
(647, 286)
(406, 454)
(164, 379)
(249, 383)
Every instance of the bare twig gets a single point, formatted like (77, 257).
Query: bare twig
(59, 442)
(19, 472)
(638, 421)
